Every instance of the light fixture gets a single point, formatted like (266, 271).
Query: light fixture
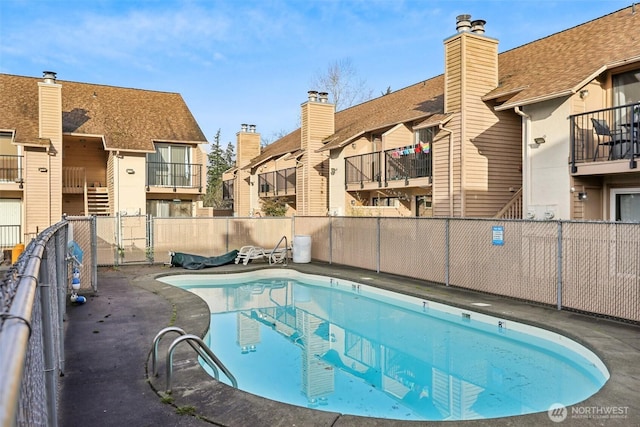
(130, 171)
(582, 196)
(584, 93)
(333, 171)
(353, 145)
(42, 170)
(539, 140)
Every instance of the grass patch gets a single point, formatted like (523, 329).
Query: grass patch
(174, 315)
(186, 410)
(167, 400)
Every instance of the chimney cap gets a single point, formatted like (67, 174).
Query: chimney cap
(463, 23)
(49, 76)
(477, 26)
(313, 95)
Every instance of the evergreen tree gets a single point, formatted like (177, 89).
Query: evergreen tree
(218, 161)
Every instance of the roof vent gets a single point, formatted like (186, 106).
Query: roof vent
(49, 76)
(323, 97)
(477, 26)
(463, 23)
(313, 95)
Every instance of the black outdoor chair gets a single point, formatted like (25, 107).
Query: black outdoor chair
(606, 137)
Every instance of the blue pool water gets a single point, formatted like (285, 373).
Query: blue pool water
(340, 346)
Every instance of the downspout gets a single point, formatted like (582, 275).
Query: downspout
(526, 137)
(440, 127)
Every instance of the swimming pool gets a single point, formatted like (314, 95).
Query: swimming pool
(346, 347)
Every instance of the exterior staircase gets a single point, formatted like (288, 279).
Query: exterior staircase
(513, 208)
(97, 201)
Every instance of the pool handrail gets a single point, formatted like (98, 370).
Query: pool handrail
(203, 350)
(156, 343)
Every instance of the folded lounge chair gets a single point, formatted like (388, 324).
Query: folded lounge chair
(274, 256)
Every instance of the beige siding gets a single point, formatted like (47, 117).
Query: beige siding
(37, 194)
(92, 157)
(111, 180)
(6, 147)
(248, 147)
(399, 136)
(312, 191)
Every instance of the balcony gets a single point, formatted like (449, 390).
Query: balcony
(174, 175)
(11, 169)
(278, 183)
(605, 141)
(400, 166)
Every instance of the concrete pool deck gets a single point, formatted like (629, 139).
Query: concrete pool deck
(108, 340)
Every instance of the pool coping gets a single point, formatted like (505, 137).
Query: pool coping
(617, 344)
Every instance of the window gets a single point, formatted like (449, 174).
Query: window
(169, 208)
(385, 201)
(626, 88)
(625, 204)
(170, 166)
(424, 137)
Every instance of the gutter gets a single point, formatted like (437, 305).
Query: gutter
(526, 170)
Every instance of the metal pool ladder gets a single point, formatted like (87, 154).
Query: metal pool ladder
(196, 344)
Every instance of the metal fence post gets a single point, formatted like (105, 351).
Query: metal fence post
(330, 240)
(51, 386)
(93, 238)
(61, 285)
(559, 290)
(378, 237)
(446, 251)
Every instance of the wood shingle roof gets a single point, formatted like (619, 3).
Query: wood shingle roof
(129, 119)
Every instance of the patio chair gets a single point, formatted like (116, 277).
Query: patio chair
(606, 137)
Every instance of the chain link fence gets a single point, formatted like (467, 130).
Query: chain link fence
(32, 307)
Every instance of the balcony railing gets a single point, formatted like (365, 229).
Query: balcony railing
(277, 183)
(175, 175)
(363, 169)
(10, 168)
(407, 163)
(605, 135)
(227, 189)
(399, 164)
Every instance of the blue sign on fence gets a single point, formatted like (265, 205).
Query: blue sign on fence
(497, 235)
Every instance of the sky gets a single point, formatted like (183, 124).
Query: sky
(253, 61)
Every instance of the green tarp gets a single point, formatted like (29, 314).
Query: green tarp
(197, 262)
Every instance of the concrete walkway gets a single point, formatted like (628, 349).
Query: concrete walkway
(108, 341)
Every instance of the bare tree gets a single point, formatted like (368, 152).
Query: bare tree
(342, 83)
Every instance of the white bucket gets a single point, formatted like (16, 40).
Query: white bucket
(301, 249)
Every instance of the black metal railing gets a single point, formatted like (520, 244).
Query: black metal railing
(363, 168)
(408, 163)
(277, 183)
(227, 189)
(10, 168)
(605, 135)
(176, 175)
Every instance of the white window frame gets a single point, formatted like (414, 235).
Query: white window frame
(612, 200)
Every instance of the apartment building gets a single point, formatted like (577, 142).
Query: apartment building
(86, 149)
(547, 130)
